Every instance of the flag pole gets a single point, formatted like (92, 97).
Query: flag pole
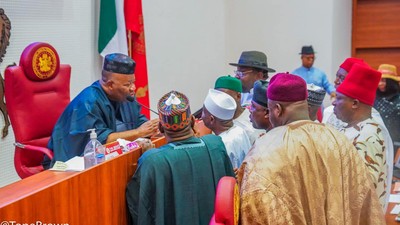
(130, 43)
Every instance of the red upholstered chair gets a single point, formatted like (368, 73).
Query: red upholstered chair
(36, 93)
(226, 210)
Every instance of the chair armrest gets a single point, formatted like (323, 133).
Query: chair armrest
(43, 150)
(213, 222)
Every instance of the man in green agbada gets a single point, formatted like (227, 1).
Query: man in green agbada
(176, 183)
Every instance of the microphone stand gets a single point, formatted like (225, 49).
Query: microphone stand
(133, 99)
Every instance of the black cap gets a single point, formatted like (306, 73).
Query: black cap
(253, 59)
(260, 92)
(307, 50)
(119, 63)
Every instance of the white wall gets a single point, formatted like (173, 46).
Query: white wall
(68, 25)
(189, 42)
(187, 49)
(281, 28)
(186, 42)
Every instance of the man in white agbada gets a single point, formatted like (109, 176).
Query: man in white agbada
(218, 111)
(233, 87)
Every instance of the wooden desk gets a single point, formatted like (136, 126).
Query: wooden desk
(93, 196)
(390, 217)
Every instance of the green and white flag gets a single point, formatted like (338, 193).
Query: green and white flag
(112, 32)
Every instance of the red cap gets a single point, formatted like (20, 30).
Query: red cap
(361, 83)
(349, 62)
(285, 87)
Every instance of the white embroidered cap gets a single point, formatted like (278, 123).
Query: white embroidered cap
(220, 104)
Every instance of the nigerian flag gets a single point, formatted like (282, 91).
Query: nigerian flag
(112, 33)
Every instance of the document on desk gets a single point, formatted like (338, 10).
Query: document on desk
(394, 198)
(396, 209)
(75, 164)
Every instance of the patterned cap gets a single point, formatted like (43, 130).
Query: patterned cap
(119, 63)
(316, 94)
(228, 82)
(174, 111)
(260, 92)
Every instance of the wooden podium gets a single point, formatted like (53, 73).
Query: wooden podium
(93, 196)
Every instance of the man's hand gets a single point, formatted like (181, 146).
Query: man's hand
(149, 128)
(333, 95)
(145, 144)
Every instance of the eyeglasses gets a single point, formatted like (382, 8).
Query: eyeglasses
(241, 74)
(339, 79)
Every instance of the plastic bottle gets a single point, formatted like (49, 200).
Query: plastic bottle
(94, 151)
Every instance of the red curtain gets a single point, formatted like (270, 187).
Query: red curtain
(137, 50)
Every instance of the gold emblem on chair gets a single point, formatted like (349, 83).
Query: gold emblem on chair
(44, 62)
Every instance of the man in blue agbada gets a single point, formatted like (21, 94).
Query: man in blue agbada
(102, 106)
(176, 183)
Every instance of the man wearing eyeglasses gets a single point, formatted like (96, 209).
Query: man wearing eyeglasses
(252, 66)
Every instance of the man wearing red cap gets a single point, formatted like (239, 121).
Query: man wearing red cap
(331, 119)
(302, 172)
(353, 105)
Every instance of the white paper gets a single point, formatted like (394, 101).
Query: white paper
(395, 210)
(75, 164)
(394, 198)
(59, 166)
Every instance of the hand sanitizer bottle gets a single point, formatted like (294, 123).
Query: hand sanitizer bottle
(94, 151)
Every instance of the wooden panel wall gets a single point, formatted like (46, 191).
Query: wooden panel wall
(93, 196)
(376, 31)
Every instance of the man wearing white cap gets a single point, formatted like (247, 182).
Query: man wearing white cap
(218, 111)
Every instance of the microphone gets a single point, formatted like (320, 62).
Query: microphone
(133, 99)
